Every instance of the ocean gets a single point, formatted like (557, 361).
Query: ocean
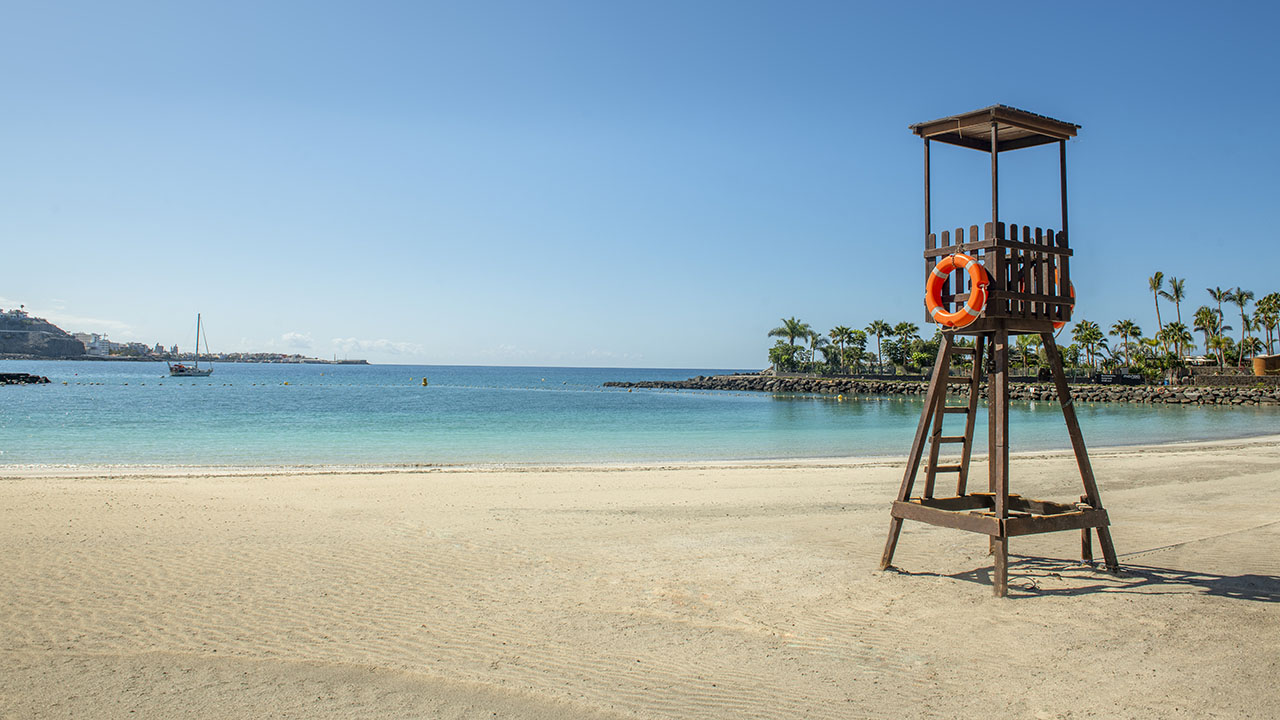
(125, 413)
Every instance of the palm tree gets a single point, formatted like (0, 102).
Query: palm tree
(816, 342)
(1148, 347)
(1220, 343)
(1155, 282)
(1175, 294)
(1218, 295)
(1177, 335)
(1089, 335)
(1027, 345)
(840, 335)
(1267, 312)
(831, 354)
(857, 346)
(1126, 329)
(1252, 345)
(1208, 322)
(791, 329)
(880, 328)
(906, 332)
(1241, 297)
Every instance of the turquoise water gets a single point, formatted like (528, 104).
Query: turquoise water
(246, 414)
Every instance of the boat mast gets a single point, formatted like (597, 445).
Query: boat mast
(197, 340)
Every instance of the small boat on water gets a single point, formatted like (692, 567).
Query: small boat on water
(193, 370)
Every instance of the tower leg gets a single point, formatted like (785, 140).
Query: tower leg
(1077, 444)
(998, 459)
(1000, 570)
(936, 393)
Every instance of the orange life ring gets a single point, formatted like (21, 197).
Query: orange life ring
(1057, 278)
(973, 307)
(1072, 306)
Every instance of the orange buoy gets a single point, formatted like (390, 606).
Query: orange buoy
(973, 307)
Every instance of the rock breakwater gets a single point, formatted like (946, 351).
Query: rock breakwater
(1169, 395)
(22, 379)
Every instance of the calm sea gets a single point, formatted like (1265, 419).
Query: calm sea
(247, 414)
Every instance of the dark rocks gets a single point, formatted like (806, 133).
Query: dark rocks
(22, 379)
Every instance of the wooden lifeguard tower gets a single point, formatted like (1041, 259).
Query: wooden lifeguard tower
(1029, 291)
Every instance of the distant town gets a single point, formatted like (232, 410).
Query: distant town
(26, 337)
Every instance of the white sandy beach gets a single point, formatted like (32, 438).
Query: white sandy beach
(726, 591)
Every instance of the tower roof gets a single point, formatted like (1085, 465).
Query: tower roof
(1016, 129)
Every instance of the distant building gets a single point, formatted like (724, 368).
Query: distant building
(96, 345)
(91, 343)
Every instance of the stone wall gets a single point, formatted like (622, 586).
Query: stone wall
(1184, 395)
(1270, 381)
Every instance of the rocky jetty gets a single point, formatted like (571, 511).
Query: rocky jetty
(22, 379)
(1169, 395)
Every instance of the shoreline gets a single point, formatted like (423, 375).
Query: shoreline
(144, 471)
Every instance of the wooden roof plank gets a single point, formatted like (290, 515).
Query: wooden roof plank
(973, 129)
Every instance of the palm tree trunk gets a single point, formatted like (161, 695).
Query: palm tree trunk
(1244, 327)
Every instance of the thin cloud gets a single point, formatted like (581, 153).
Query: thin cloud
(597, 354)
(300, 341)
(381, 345)
(73, 323)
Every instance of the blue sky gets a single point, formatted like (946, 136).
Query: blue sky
(606, 184)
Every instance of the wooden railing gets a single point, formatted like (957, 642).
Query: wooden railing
(1028, 269)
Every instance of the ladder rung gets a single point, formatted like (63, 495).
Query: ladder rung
(960, 379)
(955, 409)
(961, 349)
(950, 438)
(946, 468)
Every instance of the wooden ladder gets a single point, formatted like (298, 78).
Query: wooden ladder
(941, 410)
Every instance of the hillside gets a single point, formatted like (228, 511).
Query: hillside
(26, 336)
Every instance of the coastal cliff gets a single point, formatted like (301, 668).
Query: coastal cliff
(24, 336)
(1181, 395)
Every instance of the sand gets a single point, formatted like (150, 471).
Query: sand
(726, 591)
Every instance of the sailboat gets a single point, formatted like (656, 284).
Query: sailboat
(181, 370)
